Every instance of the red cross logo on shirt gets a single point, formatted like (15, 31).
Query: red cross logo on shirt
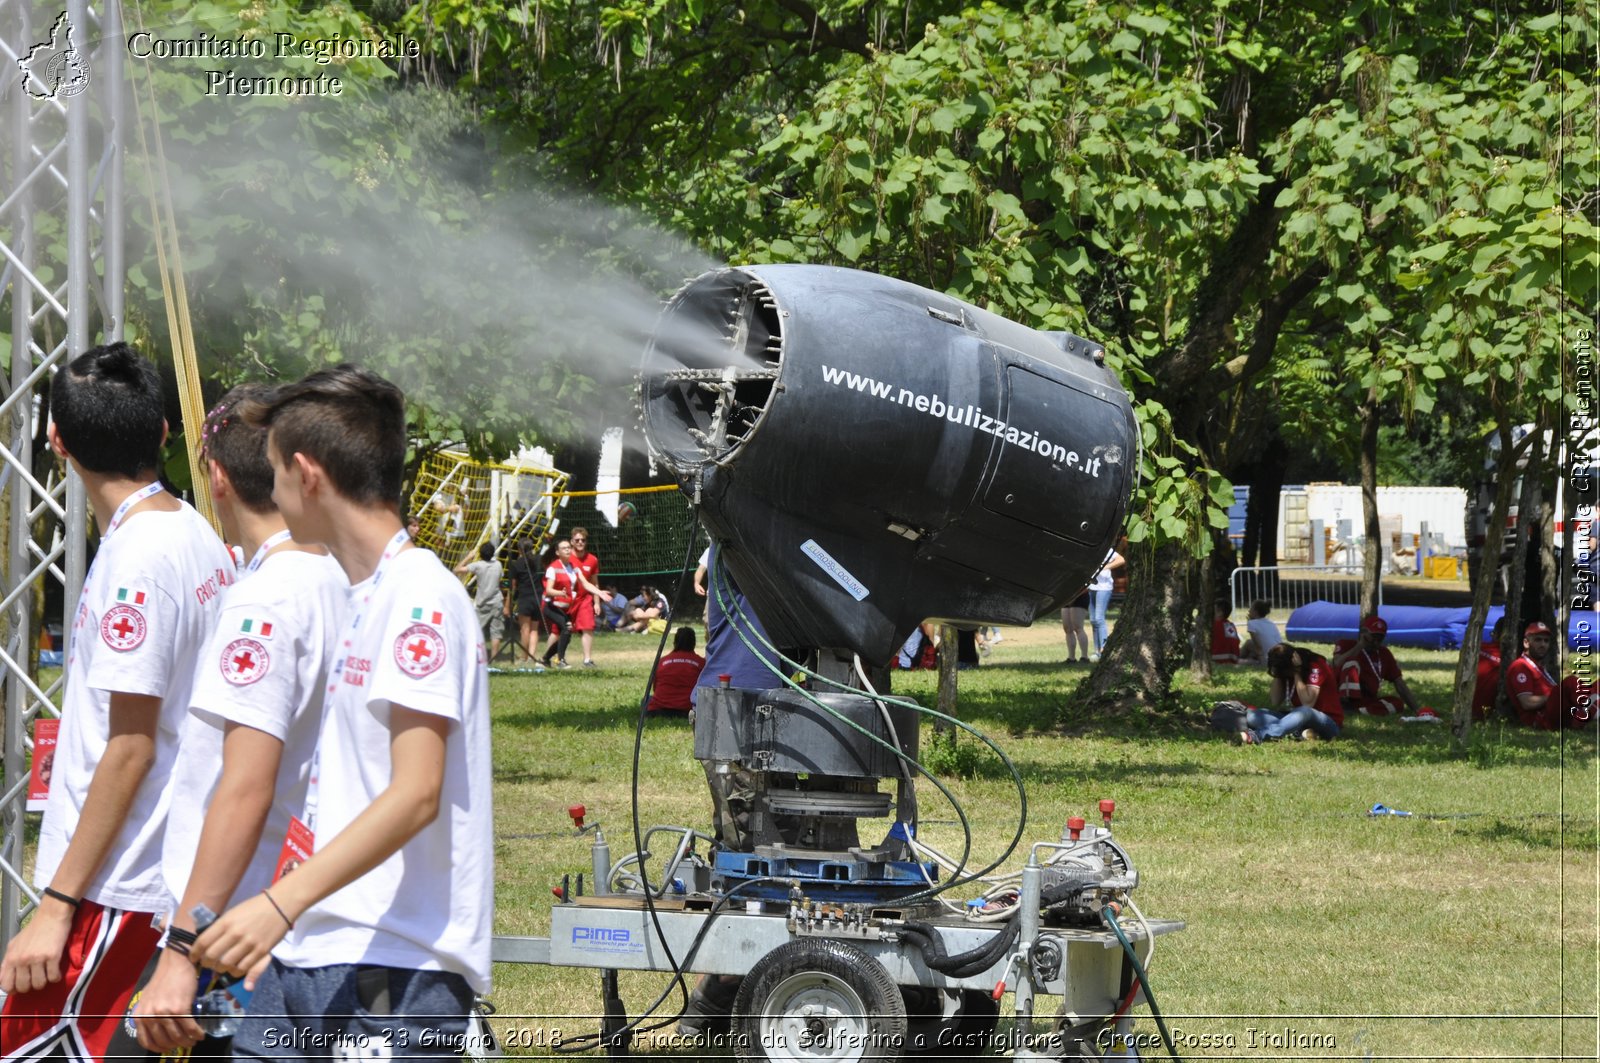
(123, 628)
(420, 650)
(244, 662)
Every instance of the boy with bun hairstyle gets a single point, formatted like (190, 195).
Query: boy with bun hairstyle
(244, 758)
(381, 938)
(147, 604)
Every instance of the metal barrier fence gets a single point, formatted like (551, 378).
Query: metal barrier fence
(1291, 586)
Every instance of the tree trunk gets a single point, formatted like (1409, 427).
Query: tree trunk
(1372, 556)
(1200, 634)
(1550, 609)
(949, 650)
(1527, 510)
(1151, 640)
(1483, 581)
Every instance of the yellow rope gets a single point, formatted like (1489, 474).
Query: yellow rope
(619, 491)
(175, 294)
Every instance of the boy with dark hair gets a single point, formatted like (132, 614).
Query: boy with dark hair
(388, 922)
(143, 614)
(488, 597)
(244, 758)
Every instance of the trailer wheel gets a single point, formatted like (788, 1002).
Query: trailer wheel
(815, 999)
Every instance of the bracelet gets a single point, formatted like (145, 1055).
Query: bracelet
(181, 936)
(279, 909)
(70, 902)
(181, 948)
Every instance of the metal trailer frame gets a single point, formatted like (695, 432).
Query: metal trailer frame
(61, 264)
(611, 932)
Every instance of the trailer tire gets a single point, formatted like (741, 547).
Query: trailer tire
(814, 999)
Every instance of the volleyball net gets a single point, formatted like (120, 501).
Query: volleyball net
(459, 503)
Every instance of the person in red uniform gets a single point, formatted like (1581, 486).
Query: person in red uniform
(1224, 636)
(1364, 665)
(677, 673)
(1302, 682)
(583, 604)
(563, 580)
(1538, 699)
(1487, 688)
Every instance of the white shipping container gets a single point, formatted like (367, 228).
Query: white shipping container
(1442, 509)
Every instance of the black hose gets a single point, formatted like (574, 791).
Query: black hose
(1144, 980)
(962, 965)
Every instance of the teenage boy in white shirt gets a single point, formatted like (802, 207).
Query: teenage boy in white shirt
(244, 758)
(146, 607)
(389, 921)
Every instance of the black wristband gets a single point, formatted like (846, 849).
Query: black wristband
(279, 909)
(181, 936)
(70, 902)
(181, 948)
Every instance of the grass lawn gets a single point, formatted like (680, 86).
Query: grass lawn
(1314, 931)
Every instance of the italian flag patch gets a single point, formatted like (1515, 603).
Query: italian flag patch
(263, 628)
(130, 596)
(427, 616)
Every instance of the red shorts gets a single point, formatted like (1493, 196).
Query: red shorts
(84, 1014)
(583, 613)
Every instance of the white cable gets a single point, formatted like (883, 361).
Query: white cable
(1149, 936)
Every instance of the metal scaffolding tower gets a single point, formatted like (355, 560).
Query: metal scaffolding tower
(61, 278)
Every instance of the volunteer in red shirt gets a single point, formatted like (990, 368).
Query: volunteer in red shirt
(1303, 683)
(676, 676)
(583, 604)
(1488, 684)
(1538, 699)
(1224, 636)
(1364, 666)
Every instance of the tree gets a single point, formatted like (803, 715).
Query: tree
(1212, 191)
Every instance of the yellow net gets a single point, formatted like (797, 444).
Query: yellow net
(641, 537)
(459, 503)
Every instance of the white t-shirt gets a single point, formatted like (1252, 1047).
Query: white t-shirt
(265, 666)
(430, 906)
(1266, 633)
(143, 616)
(1103, 580)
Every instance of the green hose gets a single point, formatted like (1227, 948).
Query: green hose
(1144, 980)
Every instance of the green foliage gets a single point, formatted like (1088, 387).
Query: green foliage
(361, 227)
(946, 756)
(1443, 187)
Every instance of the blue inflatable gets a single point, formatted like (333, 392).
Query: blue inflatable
(1417, 626)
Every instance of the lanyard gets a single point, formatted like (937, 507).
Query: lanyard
(128, 503)
(358, 611)
(116, 522)
(277, 538)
